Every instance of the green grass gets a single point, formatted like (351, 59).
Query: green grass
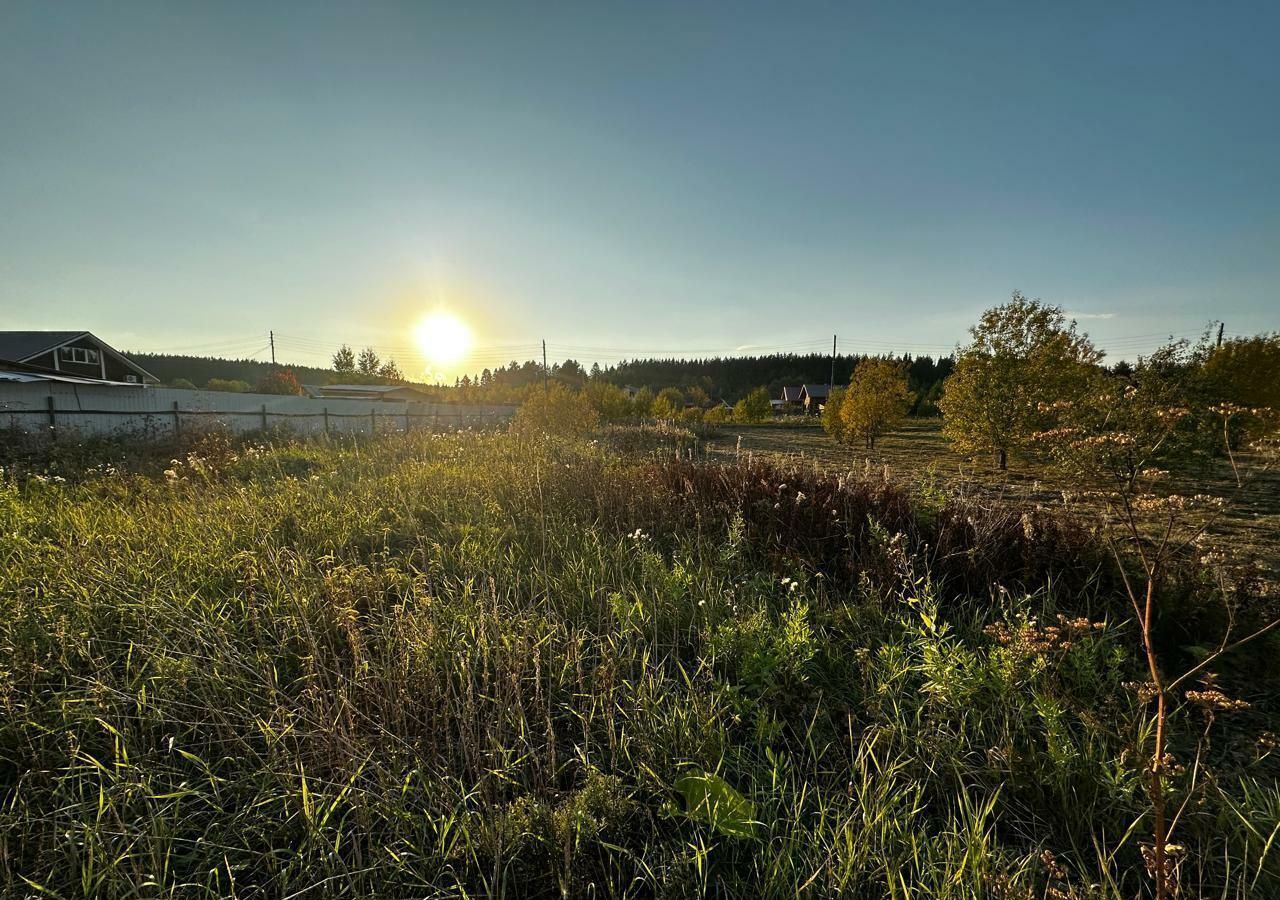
(458, 665)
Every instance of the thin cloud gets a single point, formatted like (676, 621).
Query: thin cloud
(1080, 315)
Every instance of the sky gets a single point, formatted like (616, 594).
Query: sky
(627, 180)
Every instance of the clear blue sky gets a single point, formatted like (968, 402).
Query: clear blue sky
(635, 178)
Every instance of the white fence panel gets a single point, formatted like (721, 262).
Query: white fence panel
(148, 411)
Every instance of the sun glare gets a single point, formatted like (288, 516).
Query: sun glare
(443, 338)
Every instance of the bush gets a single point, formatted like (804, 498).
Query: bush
(228, 385)
(668, 404)
(753, 408)
(717, 415)
(281, 381)
(555, 411)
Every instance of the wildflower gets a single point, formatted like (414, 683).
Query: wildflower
(170, 474)
(1213, 700)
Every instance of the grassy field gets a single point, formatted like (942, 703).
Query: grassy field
(918, 449)
(467, 666)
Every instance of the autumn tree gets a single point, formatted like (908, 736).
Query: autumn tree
(281, 381)
(642, 402)
(608, 400)
(832, 423)
(1024, 358)
(1244, 371)
(555, 411)
(755, 407)
(1119, 443)
(668, 403)
(344, 361)
(876, 400)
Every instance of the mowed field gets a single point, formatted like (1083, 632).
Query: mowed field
(1249, 523)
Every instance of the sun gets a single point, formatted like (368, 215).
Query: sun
(443, 338)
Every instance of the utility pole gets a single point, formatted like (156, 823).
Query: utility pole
(831, 383)
(272, 336)
(1221, 327)
(546, 386)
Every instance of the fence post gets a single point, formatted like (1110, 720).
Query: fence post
(264, 417)
(177, 420)
(326, 419)
(406, 418)
(53, 420)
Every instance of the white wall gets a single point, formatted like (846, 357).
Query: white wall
(100, 409)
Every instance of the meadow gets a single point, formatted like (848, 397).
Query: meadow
(917, 449)
(475, 664)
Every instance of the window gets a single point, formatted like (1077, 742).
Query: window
(86, 356)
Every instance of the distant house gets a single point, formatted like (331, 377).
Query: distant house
(792, 397)
(814, 396)
(68, 355)
(385, 392)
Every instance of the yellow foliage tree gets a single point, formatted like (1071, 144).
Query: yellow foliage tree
(1025, 358)
(876, 400)
(755, 407)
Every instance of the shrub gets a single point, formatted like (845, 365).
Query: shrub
(281, 381)
(753, 408)
(717, 415)
(668, 403)
(555, 411)
(228, 385)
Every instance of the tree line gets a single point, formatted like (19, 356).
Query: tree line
(1028, 373)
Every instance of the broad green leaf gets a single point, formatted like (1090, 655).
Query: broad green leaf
(709, 799)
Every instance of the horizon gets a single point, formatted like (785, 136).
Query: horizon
(634, 183)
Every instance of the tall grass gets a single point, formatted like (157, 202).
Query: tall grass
(463, 665)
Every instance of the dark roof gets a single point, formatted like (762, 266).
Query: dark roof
(22, 373)
(791, 393)
(816, 391)
(20, 346)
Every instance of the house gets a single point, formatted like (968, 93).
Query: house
(79, 355)
(792, 398)
(814, 396)
(383, 392)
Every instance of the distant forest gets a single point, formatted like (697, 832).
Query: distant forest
(728, 378)
(199, 370)
(722, 378)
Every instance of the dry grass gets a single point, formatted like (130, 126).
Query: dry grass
(918, 450)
